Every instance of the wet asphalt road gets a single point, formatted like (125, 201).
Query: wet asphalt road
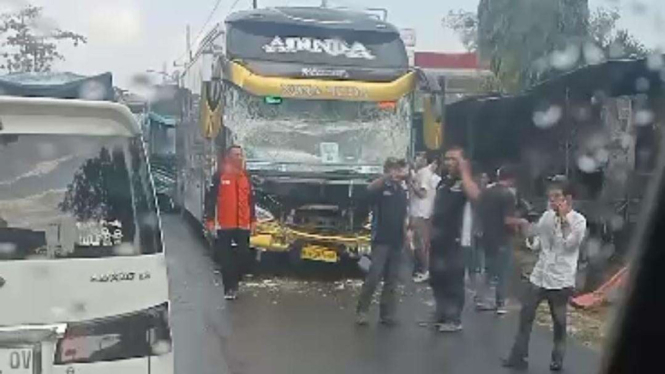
(286, 324)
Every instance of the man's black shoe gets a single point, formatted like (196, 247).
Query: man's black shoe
(515, 364)
(556, 366)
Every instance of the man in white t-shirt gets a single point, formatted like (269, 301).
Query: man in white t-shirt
(423, 191)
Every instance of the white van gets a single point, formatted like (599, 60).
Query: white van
(83, 284)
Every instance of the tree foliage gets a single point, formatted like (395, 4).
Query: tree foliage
(517, 37)
(465, 25)
(28, 44)
(525, 41)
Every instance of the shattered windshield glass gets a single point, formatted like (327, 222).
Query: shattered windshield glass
(318, 132)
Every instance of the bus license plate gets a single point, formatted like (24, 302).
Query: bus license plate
(16, 360)
(316, 253)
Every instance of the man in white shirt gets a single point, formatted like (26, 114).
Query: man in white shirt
(561, 231)
(423, 191)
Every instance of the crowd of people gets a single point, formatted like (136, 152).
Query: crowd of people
(461, 229)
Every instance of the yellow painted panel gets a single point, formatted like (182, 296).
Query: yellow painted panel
(318, 89)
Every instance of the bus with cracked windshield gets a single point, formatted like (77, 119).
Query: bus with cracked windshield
(318, 98)
(83, 283)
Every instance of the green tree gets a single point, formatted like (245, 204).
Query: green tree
(614, 42)
(518, 37)
(465, 25)
(27, 45)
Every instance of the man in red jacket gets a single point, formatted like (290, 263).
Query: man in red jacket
(230, 210)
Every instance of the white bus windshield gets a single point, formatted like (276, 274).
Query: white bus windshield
(318, 132)
(72, 196)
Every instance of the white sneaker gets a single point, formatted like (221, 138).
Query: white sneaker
(422, 277)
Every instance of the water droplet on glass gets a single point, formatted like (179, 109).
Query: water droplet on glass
(587, 164)
(124, 249)
(593, 54)
(655, 62)
(602, 156)
(617, 50)
(161, 347)
(548, 118)
(58, 311)
(150, 221)
(567, 58)
(7, 249)
(617, 222)
(92, 91)
(78, 308)
(626, 141)
(593, 247)
(642, 84)
(644, 117)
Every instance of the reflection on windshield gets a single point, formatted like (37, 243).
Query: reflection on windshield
(74, 196)
(318, 131)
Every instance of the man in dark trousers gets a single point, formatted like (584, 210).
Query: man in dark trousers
(497, 213)
(388, 196)
(447, 257)
(229, 209)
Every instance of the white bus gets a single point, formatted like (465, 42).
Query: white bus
(83, 283)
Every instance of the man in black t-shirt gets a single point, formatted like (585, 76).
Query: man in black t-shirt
(388, 197)
(497, 212)
(447, 257)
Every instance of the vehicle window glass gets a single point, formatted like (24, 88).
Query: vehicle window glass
(69, 196)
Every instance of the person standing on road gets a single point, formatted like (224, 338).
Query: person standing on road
(447, 257)
(497, 211)
(423, 191)
(472, 235)
(561, 231)
(230, 211)
(388, 196)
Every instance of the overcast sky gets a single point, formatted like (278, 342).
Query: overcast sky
(127, 37)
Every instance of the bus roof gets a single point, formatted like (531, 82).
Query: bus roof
(20, 115)
(313, 16)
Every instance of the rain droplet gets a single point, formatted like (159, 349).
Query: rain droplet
(626, 141)
(644, 117)
(655, 62)
(642, 84)
(92, 91)
(548, 118)
(7, 249)
(567, 58)
(602, 156)
(593, 247)
(161, 347)
(593, 54)
(587, 164)
(617, 223)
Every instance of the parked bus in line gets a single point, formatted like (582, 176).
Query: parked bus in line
(83, 283)
(318, 98)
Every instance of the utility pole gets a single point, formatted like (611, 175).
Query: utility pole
(324, 3)
(254, 4)
(189, 43)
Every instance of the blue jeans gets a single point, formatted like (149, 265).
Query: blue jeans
(498, 267)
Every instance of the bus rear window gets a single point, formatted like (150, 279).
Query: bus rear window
(72, 196)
